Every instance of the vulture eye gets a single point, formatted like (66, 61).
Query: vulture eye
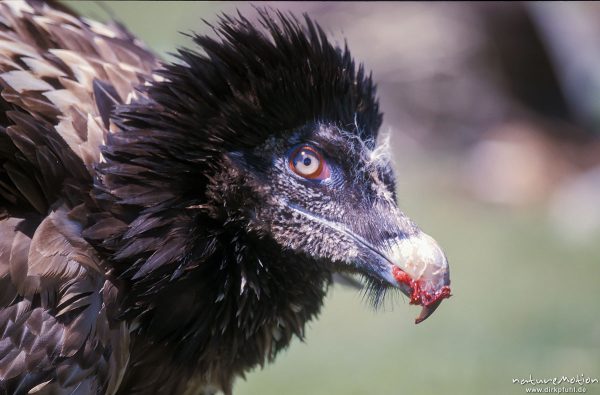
(307, 162)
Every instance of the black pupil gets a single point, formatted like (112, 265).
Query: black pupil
(306, 161)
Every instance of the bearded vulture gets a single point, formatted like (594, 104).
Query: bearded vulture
(167, 226)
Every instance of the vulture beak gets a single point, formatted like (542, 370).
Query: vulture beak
(415, 264)
(420, 270)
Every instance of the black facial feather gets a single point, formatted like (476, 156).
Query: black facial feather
(249, 85)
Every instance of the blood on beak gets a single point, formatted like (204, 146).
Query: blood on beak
(421, 271)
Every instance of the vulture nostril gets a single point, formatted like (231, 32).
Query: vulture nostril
(389, 235)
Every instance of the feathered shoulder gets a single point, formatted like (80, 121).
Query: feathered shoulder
(60, 76)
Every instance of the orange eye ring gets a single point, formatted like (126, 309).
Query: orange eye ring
(308, 163)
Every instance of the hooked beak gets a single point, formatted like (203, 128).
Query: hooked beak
(415, 264)
(420, 270)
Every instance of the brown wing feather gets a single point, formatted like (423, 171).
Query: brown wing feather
(60, 77)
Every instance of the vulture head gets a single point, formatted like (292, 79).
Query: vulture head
(241, 179)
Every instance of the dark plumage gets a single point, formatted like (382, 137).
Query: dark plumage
(165, 228)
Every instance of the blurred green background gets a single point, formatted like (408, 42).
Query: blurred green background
(493, 122)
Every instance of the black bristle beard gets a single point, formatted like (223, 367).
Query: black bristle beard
(374, 292)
